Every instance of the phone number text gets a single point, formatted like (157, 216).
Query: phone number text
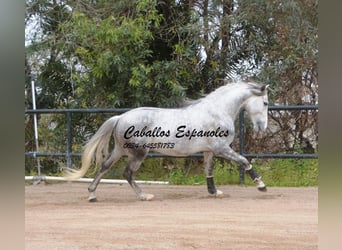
(152, 145)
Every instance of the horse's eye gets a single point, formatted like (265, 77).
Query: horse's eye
(265, 103)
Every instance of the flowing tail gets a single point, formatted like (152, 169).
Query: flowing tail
(96, 148)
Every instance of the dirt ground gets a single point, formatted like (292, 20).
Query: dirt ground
(58, 216)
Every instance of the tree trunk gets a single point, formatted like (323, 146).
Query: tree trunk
(225, 36)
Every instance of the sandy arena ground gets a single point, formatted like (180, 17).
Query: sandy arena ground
(58, 216)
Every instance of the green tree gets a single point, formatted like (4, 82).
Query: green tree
(138, 56)
(281, 49)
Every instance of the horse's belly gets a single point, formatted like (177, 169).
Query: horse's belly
(182, 149)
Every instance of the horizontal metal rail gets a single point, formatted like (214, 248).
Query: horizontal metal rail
(282, 156)
(123, 110)
(151, 155)
(293, 107)
(61, 111)
(198, 155)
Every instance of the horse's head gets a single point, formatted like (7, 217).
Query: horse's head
(257, 107)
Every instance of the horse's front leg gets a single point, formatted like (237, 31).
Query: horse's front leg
(230, 154)
(208, 162)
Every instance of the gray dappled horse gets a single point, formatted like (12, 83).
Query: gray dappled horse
(205, 125)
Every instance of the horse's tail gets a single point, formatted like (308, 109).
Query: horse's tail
(95, 149)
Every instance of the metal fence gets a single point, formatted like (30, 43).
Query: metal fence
(69, 154)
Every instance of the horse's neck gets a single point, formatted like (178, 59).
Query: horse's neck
(225, 105)
(232, 103)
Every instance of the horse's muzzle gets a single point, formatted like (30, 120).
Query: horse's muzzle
(260, 126)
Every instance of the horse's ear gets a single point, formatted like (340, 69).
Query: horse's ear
(259, 90)
(264, 87)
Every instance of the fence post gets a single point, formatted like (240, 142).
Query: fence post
(69, 140)
(241, 144)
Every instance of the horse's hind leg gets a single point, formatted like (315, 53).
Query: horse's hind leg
(208, 162)
(114, 157)
(134, 162)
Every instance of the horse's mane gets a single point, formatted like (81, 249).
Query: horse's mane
(224, 88)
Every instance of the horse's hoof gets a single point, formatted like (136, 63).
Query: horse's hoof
(92, 199)
(146, 197)
(262, 189)
(219, 194)
(260, 184)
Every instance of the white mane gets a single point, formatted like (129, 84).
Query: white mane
(221, 91)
